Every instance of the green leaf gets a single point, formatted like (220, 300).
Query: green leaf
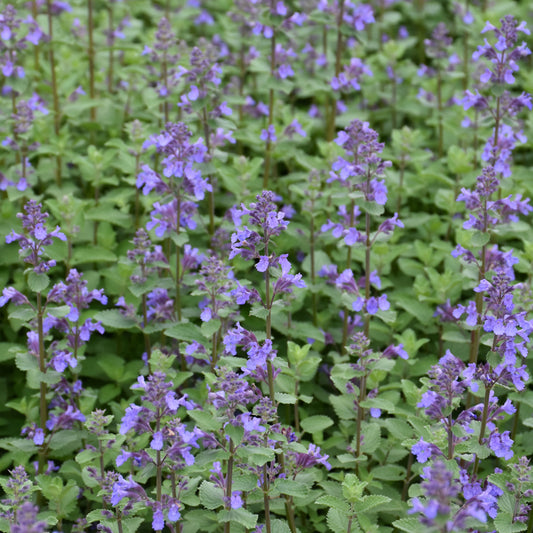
(279, 526)
(285, 398)
(296, 353)
(259, 311)
(410, 525)
(306, 370)
(107, 213)
(343, 406)
(113, 318)
(62, 498)
(112, 365)
(108, 392)
(410, 391)
(321, 259)
(334, 503)
(92, 254)
(185, 331)
(369, 502)
(211, 327)
(291, 487)
(26, 361)
(235, 433)
(181, 239)
(212, 497)
(316, 423)
(419, 310)
(241, 516)
(372, 437)
(378, 403)
(244, 482)
(504, 524)
(479, 239)
(258, 456)
(37, 282)
(337, 521)
(389, 472)
(205, 420)
(372, 208)
(60, 311)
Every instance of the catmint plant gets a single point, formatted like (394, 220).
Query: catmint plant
(165, 53)
(20, 143)
(203, 78)
(498, 103)
(43, 316)
(438, 49)
(359, 172)
(180, 181)
(170, 445)
(255, 243)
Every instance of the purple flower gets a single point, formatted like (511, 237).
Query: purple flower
(158, 522)
(236, 500)
(38, 437)
(263, 264)
(269, 135)
(9, 293)
(422, 450)
(130, 418)
(157, 441)
(126, 489)
(35, 237)
(500, 444)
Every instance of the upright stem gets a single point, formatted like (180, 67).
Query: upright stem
(530, 521)
(165, 82)
(268, 147)
(242, 75)
(394, 97)
(483, 425)
(330, 129)
(110, 25)
(270, 370)
(36, 47)
(439, 108)
(516, 421)
(296, 407)
(229, 480)
(402, 174)
(338, 51)
(137, 193)
(57, 114)
(348, 266)
(43, 411)
(466, 61)
(266, 499)
(450, 437)
(211, 197)
(91, 56)
(368, 248)
(177, 302)
(313, 270)
(405, 488)
(360, 417)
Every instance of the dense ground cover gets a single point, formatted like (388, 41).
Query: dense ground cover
(265, 266)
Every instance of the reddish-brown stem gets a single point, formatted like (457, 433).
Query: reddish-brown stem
(43, 411)
(211, 197)
(110, 29)
(90, 51)
(57, 115)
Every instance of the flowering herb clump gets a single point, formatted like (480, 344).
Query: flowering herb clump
(265, 266)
